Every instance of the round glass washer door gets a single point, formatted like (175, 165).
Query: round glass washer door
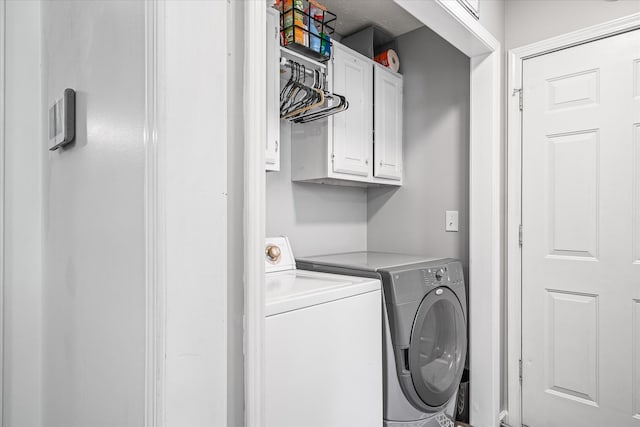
(438, 347)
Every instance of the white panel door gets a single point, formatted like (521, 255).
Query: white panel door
(581, 235)
(353, 129)
(272, 153)
(387, 121)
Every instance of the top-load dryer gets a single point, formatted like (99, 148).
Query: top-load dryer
(425, 330)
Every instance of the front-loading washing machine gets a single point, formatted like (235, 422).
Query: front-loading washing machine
(425, 330)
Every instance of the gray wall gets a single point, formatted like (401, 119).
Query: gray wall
(411, 219)
(325, 218)
(94, 283)
(317, 218)
(22, 234)
(529, 21)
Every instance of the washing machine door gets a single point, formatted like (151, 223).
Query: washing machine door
(438, 347)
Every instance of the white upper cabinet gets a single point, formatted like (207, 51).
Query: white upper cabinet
(352, 77)
(272, 154)
(340, 149)
(387, 124)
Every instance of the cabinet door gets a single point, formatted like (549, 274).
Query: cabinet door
(387, 124)
(352, 77)
(272, 155)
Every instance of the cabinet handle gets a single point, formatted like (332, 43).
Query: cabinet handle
(366, 162)
(276, 145)
(380, 163)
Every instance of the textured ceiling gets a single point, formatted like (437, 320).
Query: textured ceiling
(356, 14)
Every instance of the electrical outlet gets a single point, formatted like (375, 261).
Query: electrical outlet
(451, 221)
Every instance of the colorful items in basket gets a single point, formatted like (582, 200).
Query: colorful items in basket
(314, 34)
(325, 45)
(304, 26)
(316, 15)
(295, 31)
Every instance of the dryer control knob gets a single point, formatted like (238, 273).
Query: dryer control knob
(439, 275)
(273, 252)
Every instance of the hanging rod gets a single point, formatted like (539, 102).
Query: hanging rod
(285, 62)
(298, 57)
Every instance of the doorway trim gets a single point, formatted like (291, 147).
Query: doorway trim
(255, 128)
(185, 136)
(154, 171)
(2, 182)
(514, 187)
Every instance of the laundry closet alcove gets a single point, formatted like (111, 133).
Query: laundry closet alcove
(451, 21)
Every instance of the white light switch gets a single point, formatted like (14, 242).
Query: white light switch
(452, 221)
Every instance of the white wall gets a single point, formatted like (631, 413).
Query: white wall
(235, 191)
(317, 218)
(94, 283)
(411, 219)
(529, 21)
(492, 17)
(23, 157)
(194, 187)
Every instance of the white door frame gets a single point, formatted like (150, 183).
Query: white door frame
(255, 129)
(2, 181)
(185, 271)
(155, 268)
(514, 191)
(451, 21)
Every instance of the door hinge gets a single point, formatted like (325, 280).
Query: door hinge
(520, 235)
(333, 157)
(520, 370)
(520, 101)
(520, 104)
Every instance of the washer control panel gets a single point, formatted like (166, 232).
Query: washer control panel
(445, 275)
(436, 275)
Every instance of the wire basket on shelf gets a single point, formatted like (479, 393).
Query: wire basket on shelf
(306, 27)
